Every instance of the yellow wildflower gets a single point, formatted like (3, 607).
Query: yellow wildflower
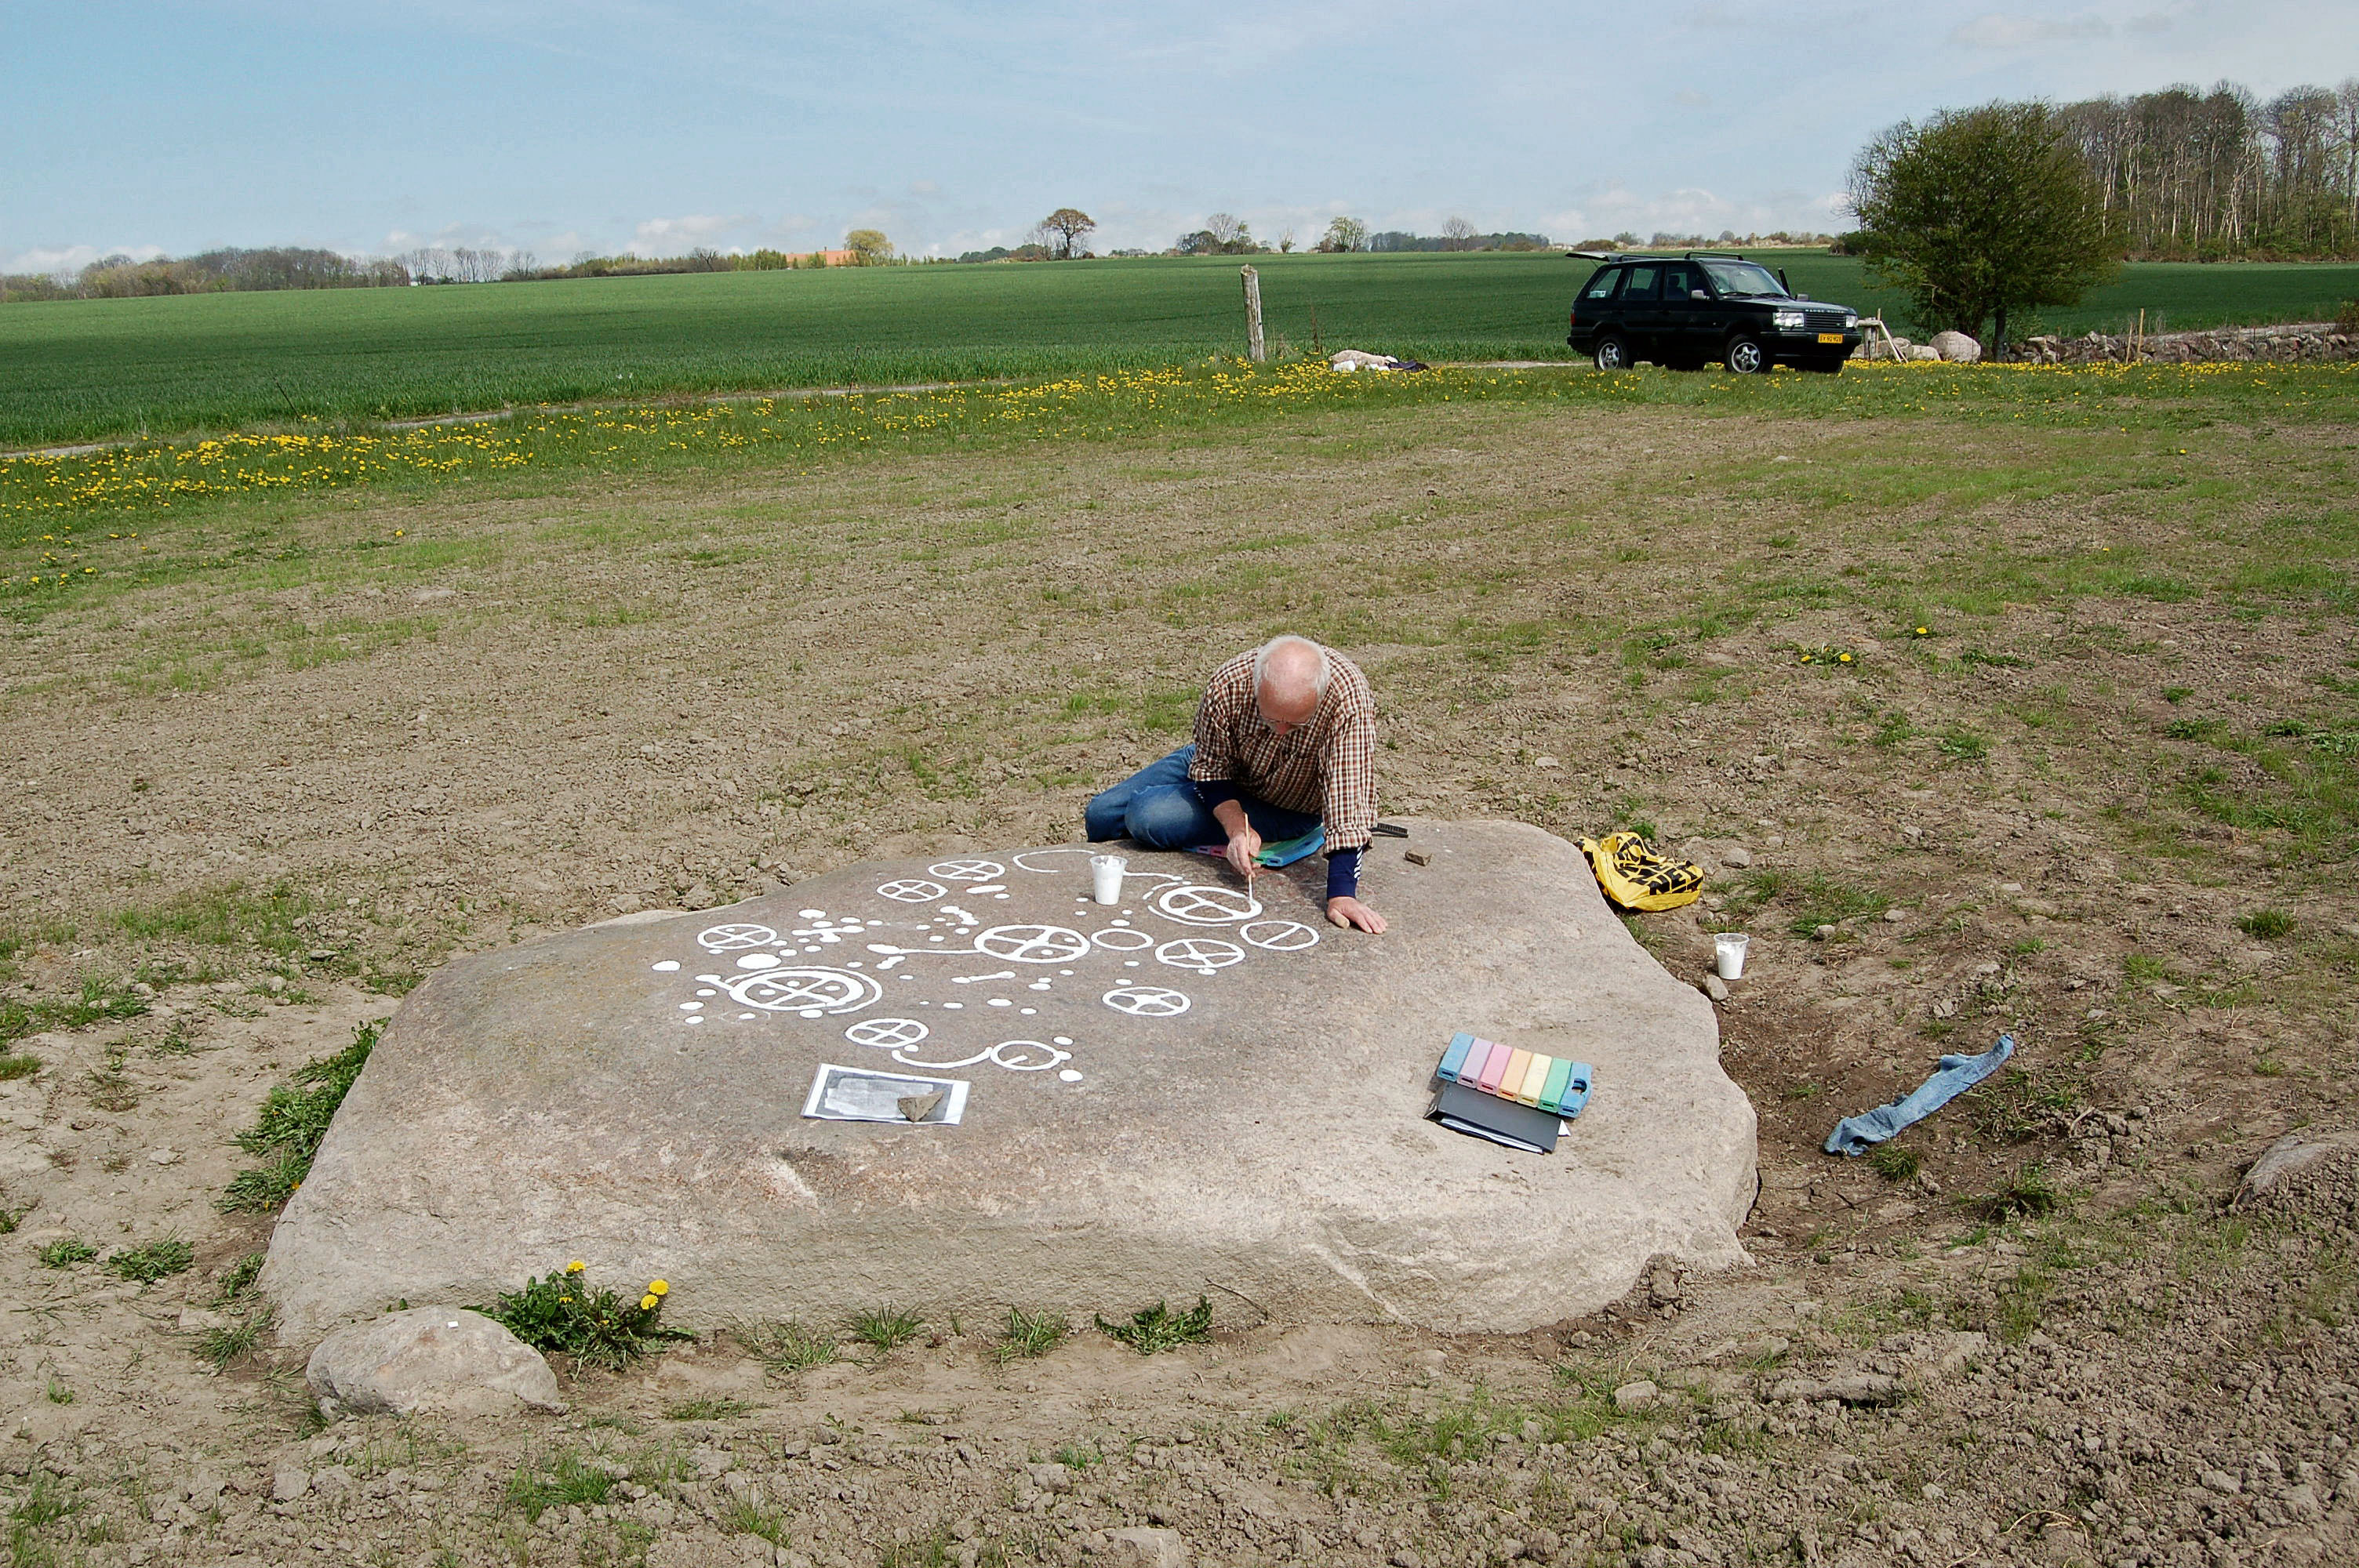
(659, 1288)
(646, 1303)
(1845, 657)
(576, 1266)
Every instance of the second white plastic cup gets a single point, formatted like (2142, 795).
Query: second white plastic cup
(1106, 873)
(1728, 953)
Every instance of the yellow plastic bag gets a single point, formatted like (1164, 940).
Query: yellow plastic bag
(1636, 876)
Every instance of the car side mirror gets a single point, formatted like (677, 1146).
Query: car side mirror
(1698, 294)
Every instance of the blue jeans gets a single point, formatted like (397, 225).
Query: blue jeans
(1158, 808)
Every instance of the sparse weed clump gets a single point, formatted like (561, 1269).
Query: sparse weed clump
(154, 1261)
(294, 1119)
(788, 1347)
(1159, 1328)
(2266, 925)
(1895, 1163)
(67, 1251)
(887, 1328)
(1029, 1334)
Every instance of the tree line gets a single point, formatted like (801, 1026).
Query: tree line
(2184, 175)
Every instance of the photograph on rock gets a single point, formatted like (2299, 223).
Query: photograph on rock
(1017, 787)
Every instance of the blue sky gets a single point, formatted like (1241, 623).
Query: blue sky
(147, 125)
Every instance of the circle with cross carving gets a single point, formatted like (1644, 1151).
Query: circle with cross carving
(913, 889)
(729, 938)
(967, 870)
(1194, 904)
(886, 1033)
(811, 992)
(1033, 944)
(1202, 954)
(1146, 1002)
(1280, 935)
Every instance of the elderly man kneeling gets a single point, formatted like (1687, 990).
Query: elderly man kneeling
(1286, 743)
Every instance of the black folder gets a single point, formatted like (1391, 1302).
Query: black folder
(1511, 1122)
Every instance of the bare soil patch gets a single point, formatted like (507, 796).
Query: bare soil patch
(2099, 802)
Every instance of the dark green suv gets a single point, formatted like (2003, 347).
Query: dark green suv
(1685, 312)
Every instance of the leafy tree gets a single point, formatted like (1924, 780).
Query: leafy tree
(1069, 225)
(1979, 212)
(869, 247)
(1458, 235)
(1345, 234)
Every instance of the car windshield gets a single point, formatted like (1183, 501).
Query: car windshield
(1741, 277)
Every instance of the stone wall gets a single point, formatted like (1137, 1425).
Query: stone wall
(2315, 340)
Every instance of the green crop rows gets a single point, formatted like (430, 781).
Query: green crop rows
(85, 370)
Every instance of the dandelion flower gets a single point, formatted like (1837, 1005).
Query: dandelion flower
(646, 1303)
(659, 1288)
(1845, 657)
(1923, 631)
(576, 1266)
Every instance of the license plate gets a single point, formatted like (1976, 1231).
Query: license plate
(1830, 337)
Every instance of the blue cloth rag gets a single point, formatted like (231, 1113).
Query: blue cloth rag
(1952, 1077)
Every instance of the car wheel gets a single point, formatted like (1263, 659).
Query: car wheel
(1746, 356)
(1613, 353)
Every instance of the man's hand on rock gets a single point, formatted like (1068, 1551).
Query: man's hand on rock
(1244, 846)
(1351, 914)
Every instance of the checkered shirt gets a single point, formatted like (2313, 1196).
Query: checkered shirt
(1326, 764)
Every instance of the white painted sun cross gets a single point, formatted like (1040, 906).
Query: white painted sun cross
(841, 963)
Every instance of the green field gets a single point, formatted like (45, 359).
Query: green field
(84, 370)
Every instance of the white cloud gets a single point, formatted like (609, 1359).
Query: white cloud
(57, 261)
(696, 230)
(1999, 30)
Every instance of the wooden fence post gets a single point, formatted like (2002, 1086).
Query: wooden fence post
(1253, 350)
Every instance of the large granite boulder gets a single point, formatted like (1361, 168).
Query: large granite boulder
(1186, 1091)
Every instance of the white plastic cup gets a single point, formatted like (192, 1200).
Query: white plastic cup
(1728, 953)
(1106, 873)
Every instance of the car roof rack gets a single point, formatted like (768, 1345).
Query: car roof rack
(1654, 256)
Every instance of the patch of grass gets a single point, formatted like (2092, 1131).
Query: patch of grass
(1158, 1328)
(743, 1515)
(1965, 745)
(98, 1001)
(156, 1260)
(226, 1343)
(788, 1347)
(2175, 695)
(1079, 1455)
(564, 1313)
(17, 1065)
(1893, 729)
(1030, 1334)
(2026, 1194)
(2144, 968)
(563, 1480)
(1895, 1163)
(1822, 901)
(2017, 1107)
(708, 1409)
(293, 1121)
(2191, 729)
(887, 1328)
(1991, 660)
(65, 1252)
(238, 1278)
(2267, 925)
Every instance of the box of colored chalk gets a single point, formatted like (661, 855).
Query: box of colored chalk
(1550, 1084)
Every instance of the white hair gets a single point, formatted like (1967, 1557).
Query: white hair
(1262, 655)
